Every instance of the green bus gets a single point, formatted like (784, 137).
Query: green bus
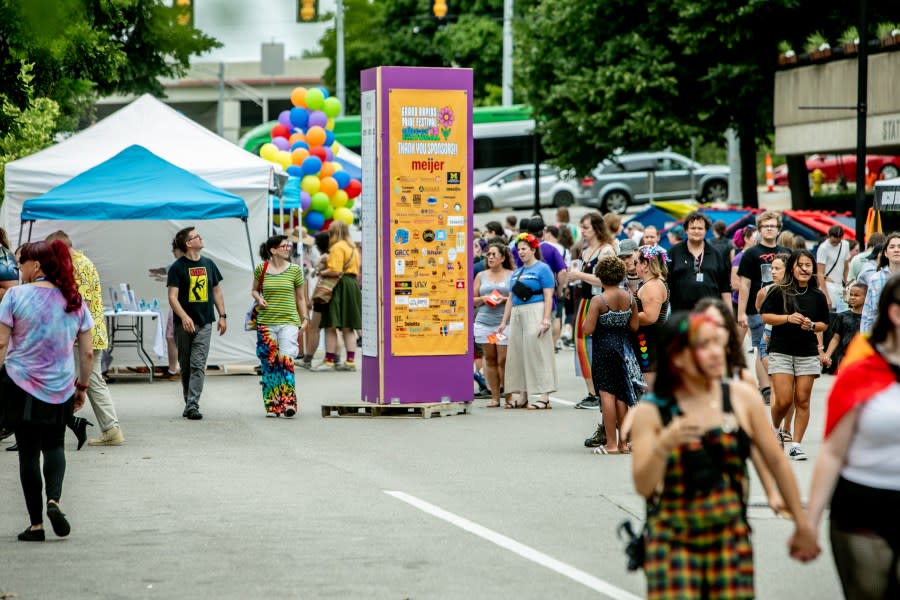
(504, 136)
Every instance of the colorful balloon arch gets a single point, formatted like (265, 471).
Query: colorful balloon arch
(303, 144)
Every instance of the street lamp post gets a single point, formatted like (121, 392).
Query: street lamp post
(507, 77)
(339, 53)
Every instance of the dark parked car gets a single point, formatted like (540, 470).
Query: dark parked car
(627, 179)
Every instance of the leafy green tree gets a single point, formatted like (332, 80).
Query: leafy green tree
(604, 75)
(80, 49)
(32, 126)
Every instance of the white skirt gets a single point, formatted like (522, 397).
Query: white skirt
(530, 363)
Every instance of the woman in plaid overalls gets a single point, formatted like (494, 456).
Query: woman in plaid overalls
(691, 440)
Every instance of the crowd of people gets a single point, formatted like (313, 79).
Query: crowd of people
(658, 338)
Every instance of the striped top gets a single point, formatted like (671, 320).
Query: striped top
(279, 292)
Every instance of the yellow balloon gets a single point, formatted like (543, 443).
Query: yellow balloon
(339, 199)
(284, 158)
(343, 214)
(335, 148)
(337, 166)
(310, 184)
(329, 124)
(268, 152)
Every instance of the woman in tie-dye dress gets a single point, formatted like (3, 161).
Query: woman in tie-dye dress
(278, 290)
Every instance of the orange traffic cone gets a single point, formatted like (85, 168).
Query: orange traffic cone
(770, 174)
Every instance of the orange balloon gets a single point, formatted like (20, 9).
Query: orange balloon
(298, 97)
(327, 170)
(297, 137)
(299, 155)
(328, 185)
(315, 136)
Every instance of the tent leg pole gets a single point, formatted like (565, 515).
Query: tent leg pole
(30, 227)
(249, 244)
(21, 229)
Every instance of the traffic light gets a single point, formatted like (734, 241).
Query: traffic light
(439, 8)
(307, 11)
(185, 12)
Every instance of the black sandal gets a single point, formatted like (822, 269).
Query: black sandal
(537, 403)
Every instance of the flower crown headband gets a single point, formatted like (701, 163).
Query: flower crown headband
(649, 252)
(528, 239)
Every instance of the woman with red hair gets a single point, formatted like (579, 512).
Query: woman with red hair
(39, 392)
(530, 366)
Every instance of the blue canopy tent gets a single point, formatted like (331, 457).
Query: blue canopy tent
(135, 185)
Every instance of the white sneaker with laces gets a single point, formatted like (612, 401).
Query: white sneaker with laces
(797, 453)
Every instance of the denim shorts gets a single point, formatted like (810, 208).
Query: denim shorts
(764, 343)
(756, 325)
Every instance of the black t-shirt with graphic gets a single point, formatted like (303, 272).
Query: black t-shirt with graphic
(756, 265)
(790, 338)
(195, 280)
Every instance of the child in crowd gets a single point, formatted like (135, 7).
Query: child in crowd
(845, 326)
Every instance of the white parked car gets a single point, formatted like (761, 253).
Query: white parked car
(513, 187)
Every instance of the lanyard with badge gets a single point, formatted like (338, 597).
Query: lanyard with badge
(698, 264)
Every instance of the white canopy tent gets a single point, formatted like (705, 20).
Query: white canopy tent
(135, 251)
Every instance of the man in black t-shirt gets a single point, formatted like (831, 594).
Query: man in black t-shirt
(754, 271)
(194, 292)
(696, 269)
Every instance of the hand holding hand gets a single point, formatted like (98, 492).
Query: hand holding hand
(804, 545)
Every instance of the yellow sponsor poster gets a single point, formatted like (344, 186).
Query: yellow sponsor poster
(429, 222)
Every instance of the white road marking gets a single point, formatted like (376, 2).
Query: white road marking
(515, 547)
(561, 401)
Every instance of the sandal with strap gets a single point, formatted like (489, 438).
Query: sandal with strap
(540, 405)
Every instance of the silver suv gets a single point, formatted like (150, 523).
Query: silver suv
(627, 179)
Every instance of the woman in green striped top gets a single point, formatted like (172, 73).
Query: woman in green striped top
(277, 289)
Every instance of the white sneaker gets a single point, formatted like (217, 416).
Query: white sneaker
(797, 453)
(325, 365)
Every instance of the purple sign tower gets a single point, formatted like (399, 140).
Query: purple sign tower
(417, 235)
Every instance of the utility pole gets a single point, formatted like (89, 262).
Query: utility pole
(507, 77)
(339, 58)
(220, 113)
(862, 86)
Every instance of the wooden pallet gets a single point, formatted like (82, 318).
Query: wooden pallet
(396, 411)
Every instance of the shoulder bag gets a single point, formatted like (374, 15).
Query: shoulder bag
(324, 290)
(250, 316)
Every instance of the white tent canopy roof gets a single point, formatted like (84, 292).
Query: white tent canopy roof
(136, 252)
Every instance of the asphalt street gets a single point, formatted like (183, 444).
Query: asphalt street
(491, 504)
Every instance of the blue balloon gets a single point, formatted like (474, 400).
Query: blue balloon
(314, 220)
(342, 178)
(324, 91)
(299, 117)
(294, 171)
(312, 165)
(329, 137)
(299, 144)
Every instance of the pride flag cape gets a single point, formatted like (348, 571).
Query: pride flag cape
(862, 374)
